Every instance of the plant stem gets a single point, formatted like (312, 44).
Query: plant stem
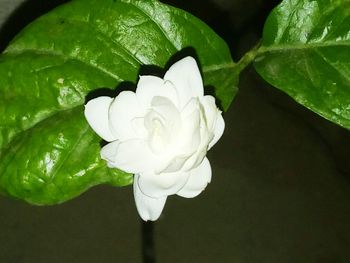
(148, 251)
(248, 58)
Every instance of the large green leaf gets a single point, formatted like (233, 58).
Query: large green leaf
(306, 53)
(48, 152)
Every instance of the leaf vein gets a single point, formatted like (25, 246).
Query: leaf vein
(15, 51)
(159, 26)
(341, 72)
(51, 114)
(76, 143)
(135, 59)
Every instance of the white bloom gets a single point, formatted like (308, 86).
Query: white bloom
(161, 134)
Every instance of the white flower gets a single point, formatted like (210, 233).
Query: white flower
(161, 134)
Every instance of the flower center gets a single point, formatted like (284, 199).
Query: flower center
(162, 123)
(158, 137)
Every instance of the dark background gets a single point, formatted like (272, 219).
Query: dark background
(280, 190)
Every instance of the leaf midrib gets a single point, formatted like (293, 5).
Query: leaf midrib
(299, 46)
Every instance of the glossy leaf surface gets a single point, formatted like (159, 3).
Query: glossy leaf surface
(306, 53)
(48, 152)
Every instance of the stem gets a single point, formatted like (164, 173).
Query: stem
(248, 58)
(148, 251)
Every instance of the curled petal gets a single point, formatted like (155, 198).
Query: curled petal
(132, 156)
(214, 119)
(160, 185)
(149, 87)
(96, 113)
(198, 180)
(186, 78)
(149, 208)
(218, 130)
(211, 111)
(123, 112)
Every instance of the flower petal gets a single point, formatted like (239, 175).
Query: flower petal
(172, 164)
(218, 131)
(160, 185)
(168, 111)
(211, 111)
(187, 141)
(150, 86)
(149, 208)
(122, 113)
(132, 156)
(186, 78)
(189, 136)
(96, 113)
(198, 180)
(214, 119)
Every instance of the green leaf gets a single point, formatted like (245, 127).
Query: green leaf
(48, 153)
(306, 53)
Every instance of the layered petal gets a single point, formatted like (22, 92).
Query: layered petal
(132, 156)
(172, 164)
(198, 180)
(96, 113)
(188, 140)
(170, 113)
(160, 185)
(205, 135)
(149, 208)
(161, 133)
(189, 137)
(123, 114)
(187, 80)
(149, 87)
